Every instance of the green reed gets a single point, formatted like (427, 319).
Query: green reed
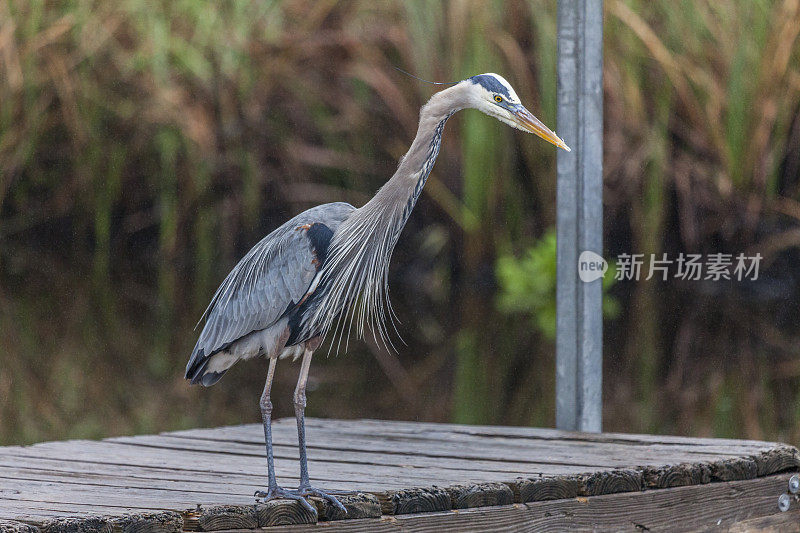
(144, 146)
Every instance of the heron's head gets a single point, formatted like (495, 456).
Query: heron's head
(493, 95)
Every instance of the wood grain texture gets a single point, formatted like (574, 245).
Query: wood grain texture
(284, 512)
(12, 526)
(93, 524)
(204, 479)
(610, 482)
(723, 506)
(541, 489)
(221, 517)
(166, 522)
(480, 495)
(359, 505)
(788, 522)
(415, 500)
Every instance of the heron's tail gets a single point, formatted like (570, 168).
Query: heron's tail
(196, 370)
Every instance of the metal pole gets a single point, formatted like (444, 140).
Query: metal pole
(579, 216)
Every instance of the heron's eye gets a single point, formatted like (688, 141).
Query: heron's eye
(498, 98)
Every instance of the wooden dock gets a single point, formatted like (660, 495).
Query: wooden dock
(402, 475)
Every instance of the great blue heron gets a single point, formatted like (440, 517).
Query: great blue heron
(302, 281)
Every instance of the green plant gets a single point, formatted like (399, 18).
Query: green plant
(528, 285)
(145, 145)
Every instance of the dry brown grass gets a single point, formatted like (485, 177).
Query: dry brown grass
(145, 146)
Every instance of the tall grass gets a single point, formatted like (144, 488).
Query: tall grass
(145, 146)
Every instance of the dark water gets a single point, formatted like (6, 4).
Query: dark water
(84, 356)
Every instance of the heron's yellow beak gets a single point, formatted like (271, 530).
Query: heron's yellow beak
(531, 124)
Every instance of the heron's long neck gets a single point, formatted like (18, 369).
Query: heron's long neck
(395, 200)
(359, 253)
(420, 159)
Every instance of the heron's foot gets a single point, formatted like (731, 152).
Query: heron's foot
(308, 490)
(279, 493)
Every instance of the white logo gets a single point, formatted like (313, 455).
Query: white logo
(591, 266)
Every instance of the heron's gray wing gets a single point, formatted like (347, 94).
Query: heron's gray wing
(273, 276)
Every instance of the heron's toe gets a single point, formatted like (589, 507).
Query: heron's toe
(325, 495)
(279, 493)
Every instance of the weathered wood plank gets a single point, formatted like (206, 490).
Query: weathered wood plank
(626, 459)
(527, 490)
(458, 432)
(114, 453)
(400, 468)
(416, 500)
(721, 462)
(118, 482)
(167, 522)
(717, 506)
(778, 459)
(725, 469)
(43, 491)
(64, 469)
(12, 526)
(37, 513)
(281, 513)
(374, 457)
(221, 517)
(132, 455)
(775, 523)
(575, 453)
(389, 441)
(480, 495)
(378, 426)
(540, 489)
(610, 482)
(662, 477)
(359, 505)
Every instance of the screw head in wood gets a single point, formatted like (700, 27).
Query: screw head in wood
(783, 502)
(794, 484)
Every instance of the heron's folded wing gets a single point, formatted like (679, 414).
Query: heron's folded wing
(274, 276)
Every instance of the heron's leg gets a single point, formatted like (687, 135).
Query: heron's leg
(300, 414)
(305, 487)
(273, 490)
(266, 418)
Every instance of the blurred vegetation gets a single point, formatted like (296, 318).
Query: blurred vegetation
(528, 285)
(145, 146)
